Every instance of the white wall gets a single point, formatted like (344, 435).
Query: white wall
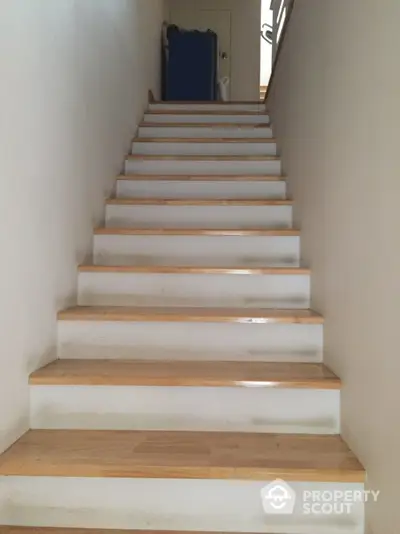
(74, 82)
(266, 48)
(336, 111)
(245, 49)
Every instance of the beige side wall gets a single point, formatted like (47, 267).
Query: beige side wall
(336, 111)
(74, 82)
(166, 11)
(245, 52)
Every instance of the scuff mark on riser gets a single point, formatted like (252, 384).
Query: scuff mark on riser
(212, 148)
(204, 106)
(272, 167)
(191, 341)
(256, 118)
(186, 408)
(207, 505)
(199, 216)
(195, 131)
(205, 190)
(196, 250)
(286, 291)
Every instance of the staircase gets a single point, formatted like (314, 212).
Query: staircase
(190, 374)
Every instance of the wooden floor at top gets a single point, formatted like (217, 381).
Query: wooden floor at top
(185, 455)
(189, 373)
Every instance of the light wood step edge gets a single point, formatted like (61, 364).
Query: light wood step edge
(65, 530)
(206, 102)
(185, 374)
(233, 112)
(212, 125)
(178, 269)
(190, 314)
(205, 140)
(203, 177)
(186, 157)
(181, 455)
(240, 232)
(196, 202)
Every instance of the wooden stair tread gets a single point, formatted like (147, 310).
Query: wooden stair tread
(206, 102)
(190, 314)
(62, 530)
(243, 232)
(211, 125)
(187, 157)
(194, 455)
(188, 269)
(197, 202)
(205, 140)
(202, 112)
(185, 373)
(203, 177)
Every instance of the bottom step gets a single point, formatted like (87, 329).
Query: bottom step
(159, 504)
(184, 455)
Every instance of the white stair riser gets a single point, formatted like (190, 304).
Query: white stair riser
(197, 189)
(199, 149)
(212, 106)
(189, 341)
(197, 505)
(165, 167)
(185, 408)
(157, 216)
(266, 291)
(202, 250)
(212, 131)
(256, 118)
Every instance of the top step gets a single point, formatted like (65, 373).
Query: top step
(207, 106)
(206, 116)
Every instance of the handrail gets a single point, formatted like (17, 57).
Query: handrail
(282, 11)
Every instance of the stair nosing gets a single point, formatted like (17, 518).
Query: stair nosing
(182, 269)
(205, 140)
(212, 125)
(201, 113)
(132, 201)
(202, 177)
(185, 374)
(186, 157)
(10, 529)
(173, 314)
(213, 232)
(205, 102)
(181, 455)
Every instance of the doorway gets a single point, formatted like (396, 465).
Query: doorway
(219, 21)
(266, 47)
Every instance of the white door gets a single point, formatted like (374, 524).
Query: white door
(219, 21)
